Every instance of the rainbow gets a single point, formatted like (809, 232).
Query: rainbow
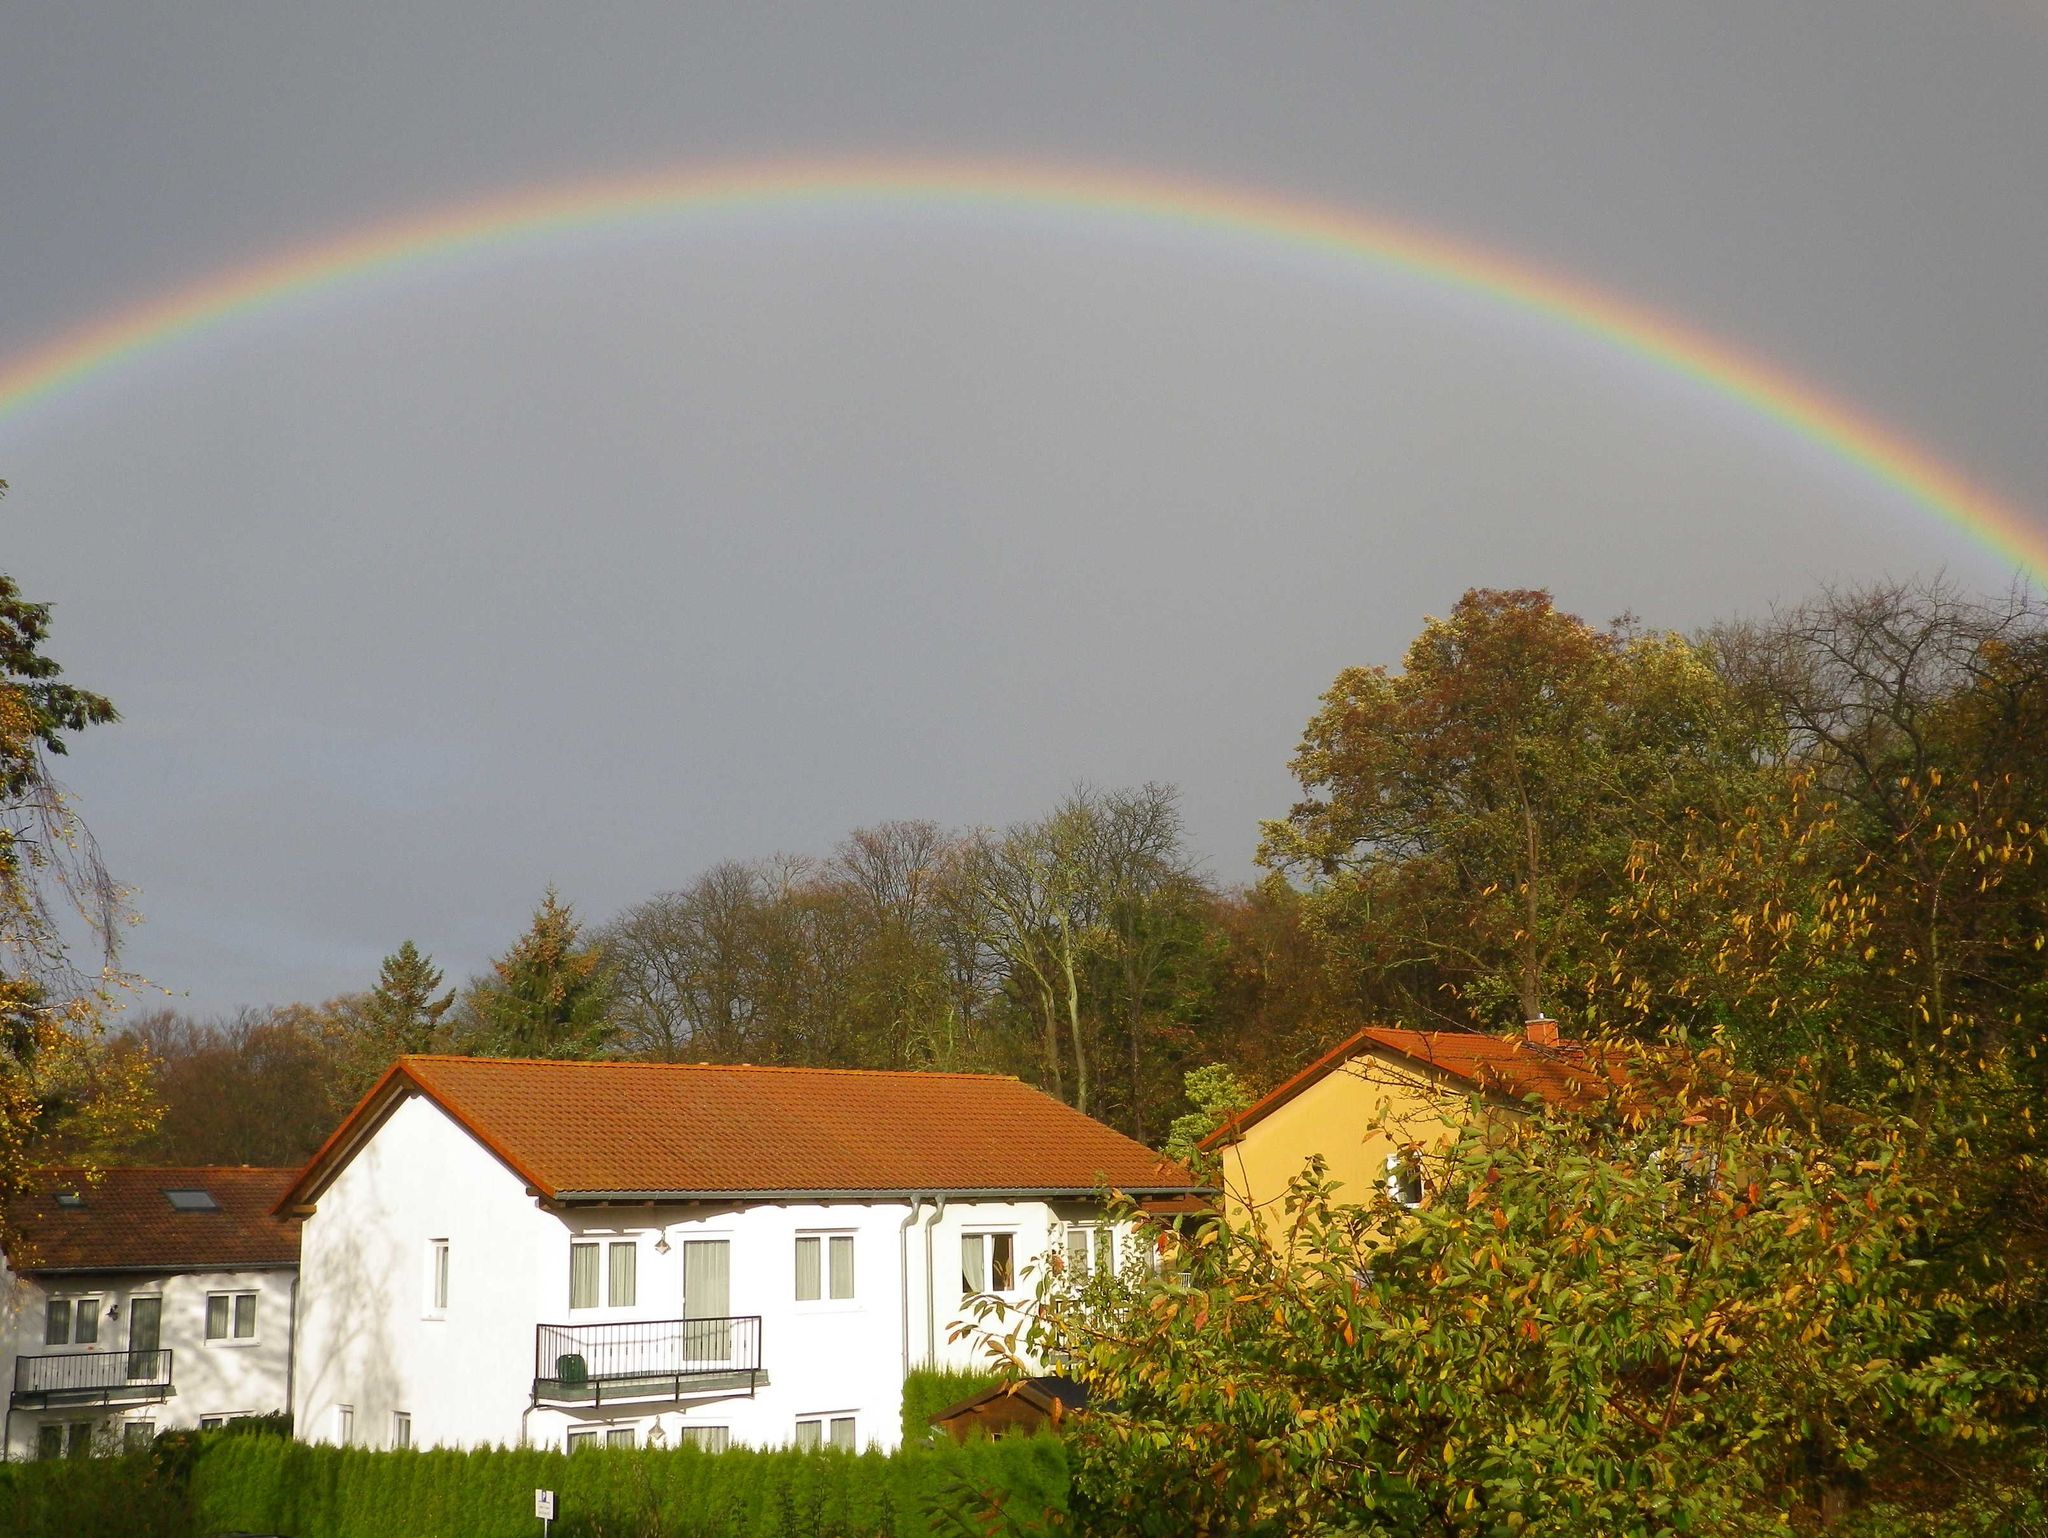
(1722, 368)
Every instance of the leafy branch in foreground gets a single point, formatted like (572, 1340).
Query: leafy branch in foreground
(1702, 1310)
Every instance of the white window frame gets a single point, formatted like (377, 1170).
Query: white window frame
(622, 1436)
(345, 1425)
(434, 1292)
(827, 1300)
(1095, 1235)
(1399, 1164)
(234, 1302)
(697, 1436)
(985, 1283)
(137, 1434)
(77, 1304)
(823, 1426)
(401, 1428)
(577, 1438)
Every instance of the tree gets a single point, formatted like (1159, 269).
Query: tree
(1686, 1311)
(404, 1012)
(1217, 1094)
(260, 1086)
(548, 996)
(61, 1093)
(1470, 817)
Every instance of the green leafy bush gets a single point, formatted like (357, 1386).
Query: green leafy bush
(126, 1497)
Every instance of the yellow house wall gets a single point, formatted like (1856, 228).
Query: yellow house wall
(1355, 1116)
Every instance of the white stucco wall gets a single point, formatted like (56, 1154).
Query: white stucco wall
(366, 1336)
(208, 1378)
(466, 1379)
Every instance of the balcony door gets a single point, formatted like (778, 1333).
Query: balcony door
(707, 1303)
(145, 1335)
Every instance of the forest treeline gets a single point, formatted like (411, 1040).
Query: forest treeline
(1810, 834)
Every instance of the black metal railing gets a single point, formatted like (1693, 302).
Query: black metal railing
(645, 1359)
(92, 1377)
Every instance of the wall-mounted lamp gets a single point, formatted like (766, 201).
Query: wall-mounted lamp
(114, 1311)
(661, 1245)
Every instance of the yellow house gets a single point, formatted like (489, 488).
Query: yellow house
(1377, 1106)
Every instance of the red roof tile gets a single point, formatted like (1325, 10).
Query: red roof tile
(1506, 1066)
(126, 1223)
(702, 1129)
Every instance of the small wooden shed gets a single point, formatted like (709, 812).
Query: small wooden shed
(1026, 1406)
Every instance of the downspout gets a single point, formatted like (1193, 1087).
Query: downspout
(291, 1360)
(903, 1272)
(931, 1315)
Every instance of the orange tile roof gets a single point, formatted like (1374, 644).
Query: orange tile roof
(1506, 1066)
(127, 1223)
(608, 1129)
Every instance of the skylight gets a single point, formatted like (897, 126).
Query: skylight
(70, 1199)
(191, 1200)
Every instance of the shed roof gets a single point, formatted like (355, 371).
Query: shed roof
(124, 1220)
(597, 1131)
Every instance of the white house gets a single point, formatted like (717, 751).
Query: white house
(553, 1254)
(142, 1300)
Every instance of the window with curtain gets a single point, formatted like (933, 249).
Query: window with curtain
(230, 1316)
(619, 1436)
(623, 1283)
(437, 1275)
(583, 1260)
(824, 1267)
(1091, 1250)
(988, 1263)
(401, 1428)
(710, 1439)
(578, 1440)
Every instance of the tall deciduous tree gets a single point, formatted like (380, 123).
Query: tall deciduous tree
(1469, 818)
(548, 996)
(60, 1092)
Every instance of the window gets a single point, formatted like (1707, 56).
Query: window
(137, 1435)
(1404, 1179)
(619, 1436)
(189, 1200)
(710, 1439)
(212, 1422)
(345, 1424)
(988, 1263)
(1091, 1250)
(230, 1316)
(71, 1201)
(401, 1428)
(616, 1264)
(583, 1275)
(437, 1278)
(64, 1439)
(579, 1440)
(814, 1431)
(824, 1267)
(71, 1322)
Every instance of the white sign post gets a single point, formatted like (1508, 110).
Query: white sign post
(544, 1508)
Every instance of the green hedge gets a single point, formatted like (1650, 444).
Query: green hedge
(126, 1497)
(929, 1390)
(261, 1484)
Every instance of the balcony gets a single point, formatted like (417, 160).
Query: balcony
(91, 1378)
(649, 1359)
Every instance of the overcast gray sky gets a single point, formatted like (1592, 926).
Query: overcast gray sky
(597, 561)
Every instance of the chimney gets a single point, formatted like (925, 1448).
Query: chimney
(1540, 1032)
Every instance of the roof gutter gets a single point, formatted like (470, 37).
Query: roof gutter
(870, 1194)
